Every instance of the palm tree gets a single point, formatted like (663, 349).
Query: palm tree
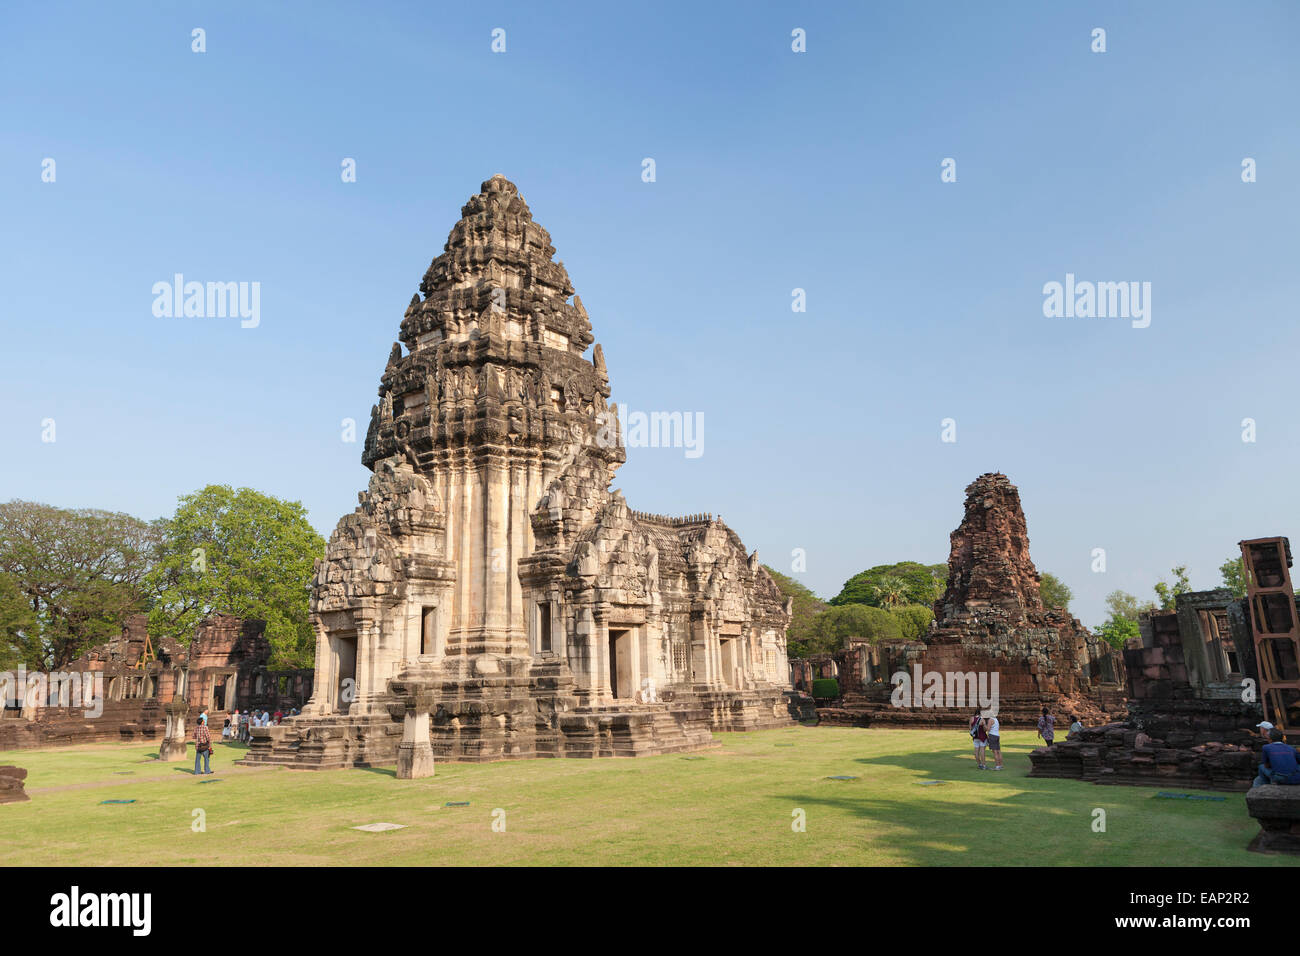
(891, 592)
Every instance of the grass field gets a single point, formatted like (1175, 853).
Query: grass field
(730, 806)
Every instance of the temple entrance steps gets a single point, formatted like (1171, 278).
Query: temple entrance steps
(325, 743)
(633, 730)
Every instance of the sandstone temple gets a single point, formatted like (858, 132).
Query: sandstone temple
(491, 597)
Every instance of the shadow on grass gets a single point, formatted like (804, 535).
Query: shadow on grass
(382, 771)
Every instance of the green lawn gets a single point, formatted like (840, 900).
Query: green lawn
(733, 806)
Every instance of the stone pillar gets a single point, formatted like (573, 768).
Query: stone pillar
(415, 752)
(174, 739)
(414, 704)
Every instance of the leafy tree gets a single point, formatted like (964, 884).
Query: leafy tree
(1117, 630)
(889, 585)
(80, 574)
(832, 628)
(242, 553)
(806, 607)
(19, 634)
(1054, 592)
(913, 620)
(1168, 593)
(1234, 576)
(1125, 605)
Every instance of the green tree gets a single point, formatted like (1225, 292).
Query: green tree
(891, 592)
(1117, 630)
(906, 582)
(1125, 605)
(1168, 593)
(242, 553)
(19, 635)
(1054, 592)
(80, 574)
(833, 627)
(913, 620)
(1234, 576)
(806, 607)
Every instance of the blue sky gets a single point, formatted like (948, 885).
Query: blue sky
(775, 170)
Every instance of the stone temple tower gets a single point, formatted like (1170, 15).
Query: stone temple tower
(490, 593)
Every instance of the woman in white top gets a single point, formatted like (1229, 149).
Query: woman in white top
(995, 740)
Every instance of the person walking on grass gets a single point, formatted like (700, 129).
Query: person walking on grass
(981, 738)
(1047, 727)
(202, 745)
(994, 729)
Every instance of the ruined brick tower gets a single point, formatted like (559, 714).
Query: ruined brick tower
(491, 594)
(990, 620)
(991, 615)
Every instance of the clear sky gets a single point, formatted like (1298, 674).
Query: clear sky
(775, 170)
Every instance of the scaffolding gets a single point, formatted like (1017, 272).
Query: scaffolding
(1272, 612)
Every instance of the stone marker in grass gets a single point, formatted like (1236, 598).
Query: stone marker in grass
(381, 827)
(457, 803)
(115, 801)
(842, 777)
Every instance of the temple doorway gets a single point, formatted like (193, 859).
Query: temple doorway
(620, 664)
(345, 691)
(728, 648)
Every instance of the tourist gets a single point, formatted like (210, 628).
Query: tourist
(277, 717)
(225, 731)
(1279, 762)
(1265, 728)
(202, 745)
(1047, 727)
(981, 739)
(243, 727)
(993, 728)
(1075, 728)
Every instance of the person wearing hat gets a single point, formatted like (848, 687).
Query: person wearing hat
(202, 745)
(1278, 762)
(1264, 728)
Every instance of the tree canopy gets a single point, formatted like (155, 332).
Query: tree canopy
(1054, 592)
(70, 579)
(238, 552)
(893, 585)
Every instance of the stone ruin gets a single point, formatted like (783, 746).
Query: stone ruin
(491, 597)
(1187, 725)
(991, 618)
(11, 785)
(149, 687)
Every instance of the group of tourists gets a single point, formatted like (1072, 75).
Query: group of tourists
(238, 726)
(985, 732)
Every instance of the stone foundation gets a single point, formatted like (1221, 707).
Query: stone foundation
(1277, 809)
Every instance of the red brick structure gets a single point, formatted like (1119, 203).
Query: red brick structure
(225, 666)
(990, 620)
